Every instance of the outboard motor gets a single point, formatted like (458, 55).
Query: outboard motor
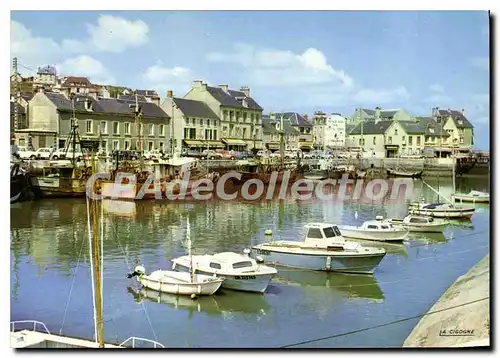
(138, 271)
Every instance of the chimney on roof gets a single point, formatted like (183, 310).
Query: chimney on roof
(377, 114)
(41, 89)
(463, 112)
(197, 83)
(170, 94)
(245, 90)
(225, 88)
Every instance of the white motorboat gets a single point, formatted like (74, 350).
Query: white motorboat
(473, 196)
(178, 283)
(418, 223)
(442, 210)
(323, 249)
(240, 272)
(376, 230)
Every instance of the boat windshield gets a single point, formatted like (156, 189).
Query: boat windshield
(242, 264)
(337, 231)
(330, 232)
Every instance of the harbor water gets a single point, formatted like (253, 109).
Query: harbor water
(50, 275)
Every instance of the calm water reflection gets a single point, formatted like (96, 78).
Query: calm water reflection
(49, 252)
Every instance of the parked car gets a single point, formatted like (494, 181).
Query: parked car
(23, 153)
(227, 155)
(191, 153)
(307, 155)
(263, 154)
(61, 154)
(211, 154)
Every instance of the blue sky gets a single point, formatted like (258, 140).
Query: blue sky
(291, 60)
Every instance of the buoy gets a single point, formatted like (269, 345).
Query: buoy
(268, 232)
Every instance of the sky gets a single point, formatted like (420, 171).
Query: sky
(334, 61)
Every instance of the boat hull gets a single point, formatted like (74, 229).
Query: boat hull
(395, 173)
(59, 187)
(246, 282)
(456, 213)
(362, 264)
(471, 199)
(428, 228)
(375, 235)
(178, 283)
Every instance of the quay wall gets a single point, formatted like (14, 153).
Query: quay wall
(463, 324)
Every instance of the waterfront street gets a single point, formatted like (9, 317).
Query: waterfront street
(50, 276)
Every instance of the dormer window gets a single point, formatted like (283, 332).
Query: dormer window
(431, 130)
(460, 122)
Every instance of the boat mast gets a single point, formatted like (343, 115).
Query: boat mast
(282, 143)
(188, 239)
(97, 271)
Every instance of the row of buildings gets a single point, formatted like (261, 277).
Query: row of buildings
(118, 118)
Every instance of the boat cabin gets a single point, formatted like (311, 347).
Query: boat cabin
(322, 235)
(378, 224)
(412, 219)
(230, 261)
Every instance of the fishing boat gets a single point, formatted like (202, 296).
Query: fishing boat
(316, 175)
(400, 173)
(417, 223)
(376, 230)
(179, 283)
(474, 196)
(32, 337)
(18, 183)
(442, 210)
(240, 272)
(323, 249)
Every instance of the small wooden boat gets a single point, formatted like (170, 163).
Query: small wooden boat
(442, 210)
(376, 230)
(417, 223)
(316, 175)
(323, 249)
(400, 173)
(473, 196)
(177, 283)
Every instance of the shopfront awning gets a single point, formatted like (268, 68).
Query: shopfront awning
(391, 146)
(234, 141)
(305, 144)
(214, 144)
(273, 146)
(193, 143)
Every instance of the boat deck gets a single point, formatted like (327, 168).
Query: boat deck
(33, 339)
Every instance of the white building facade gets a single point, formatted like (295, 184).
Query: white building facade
(335, 131)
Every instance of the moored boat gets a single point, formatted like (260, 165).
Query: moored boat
(377, 230)
(177, 283)
(474, 196)
(418, 223)
(442, 210)
(240, 272)
(323, 249)
(404, 174)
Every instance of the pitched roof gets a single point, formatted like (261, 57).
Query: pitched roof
(458, 118)
(193, 108)
(371, 127)
(20, 109)
(295, 119)
(288, 127)
(412, 127)
(73, 81)
(229, 98)
(388, 113)
(431, 127)
(268, 125)
(370, 112)
(106, 105)
(239, 96)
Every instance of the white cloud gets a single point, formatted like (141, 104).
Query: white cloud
(110, 34)
(308, 77)
(86, 66)
(481, 62)
(278, 68)
(383, 96)
(438, 96)
(167, 78)
(116, 34)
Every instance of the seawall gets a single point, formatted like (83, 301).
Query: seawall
(465, 325)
